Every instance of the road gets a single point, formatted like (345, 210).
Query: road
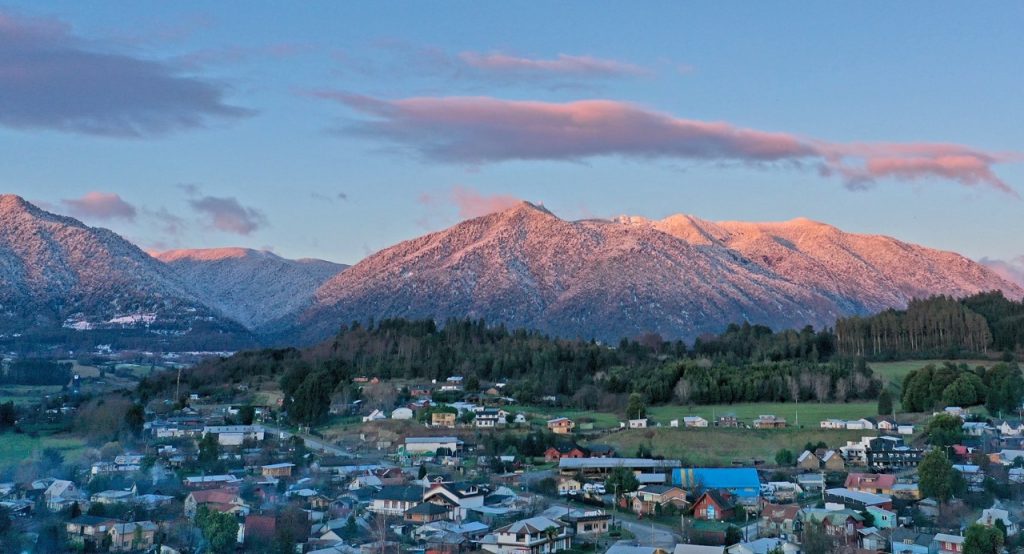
(312, 442)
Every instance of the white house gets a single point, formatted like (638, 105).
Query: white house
(457, 498)
(989, 516)
(673, 423)
(638, 423)
(974, 428)
(401, 413)
(535, 535)
(694, 421)
(833, 424)
(429, 445)
(234, 435)
(61, 494)
(859, 424)
(375, 415)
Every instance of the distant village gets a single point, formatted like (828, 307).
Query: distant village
(424, 476)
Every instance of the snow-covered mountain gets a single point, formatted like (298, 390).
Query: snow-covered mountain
(253, 287)
(680, 276)
(56, 272)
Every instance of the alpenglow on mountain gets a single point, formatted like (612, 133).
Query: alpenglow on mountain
(679, 277)
(60, 278)
(523, 267)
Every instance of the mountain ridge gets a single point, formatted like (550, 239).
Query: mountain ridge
(680, 276)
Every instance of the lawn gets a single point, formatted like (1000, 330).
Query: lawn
(894, 372)
(719, 447)
(23, 394)
(15, 448)
(810, 413)
(540, 414)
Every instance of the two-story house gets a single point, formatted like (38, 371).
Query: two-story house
(535, 535)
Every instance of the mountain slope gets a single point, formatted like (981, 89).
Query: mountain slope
(679, 277)
(252, 287)
(57, 272)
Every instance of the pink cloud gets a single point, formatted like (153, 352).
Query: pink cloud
(1011, 270)
(479, 130)
(228, 214)
(564, 64)
(100, 205)
(468, 202)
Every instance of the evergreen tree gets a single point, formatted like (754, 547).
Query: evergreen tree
(884, 402)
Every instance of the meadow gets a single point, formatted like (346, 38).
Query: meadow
(719, 446)
(18, 447)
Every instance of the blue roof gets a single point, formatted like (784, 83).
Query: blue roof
(741, 481)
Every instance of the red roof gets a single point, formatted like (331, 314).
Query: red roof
(870, 481)
(260, 527)
(215, 496)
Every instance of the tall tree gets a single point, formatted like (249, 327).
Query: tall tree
(884, 402)
(936, 476)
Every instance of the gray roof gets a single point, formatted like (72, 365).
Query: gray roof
(608, 463)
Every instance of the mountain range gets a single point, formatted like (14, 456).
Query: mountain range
(524, 267)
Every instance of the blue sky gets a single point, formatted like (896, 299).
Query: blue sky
(331, 130)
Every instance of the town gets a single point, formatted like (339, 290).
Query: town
(484, 474)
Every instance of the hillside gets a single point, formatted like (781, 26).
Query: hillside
(252, 287)
(679, 277)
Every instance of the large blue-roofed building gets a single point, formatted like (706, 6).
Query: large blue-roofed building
(741, 482)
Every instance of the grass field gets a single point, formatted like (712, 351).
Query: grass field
(23, 394)
(719, 447)
(540, 414)
(811, 413)
(16, 448)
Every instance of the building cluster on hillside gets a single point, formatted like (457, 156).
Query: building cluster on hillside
(429, 476)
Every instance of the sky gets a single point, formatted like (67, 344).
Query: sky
(332, 130)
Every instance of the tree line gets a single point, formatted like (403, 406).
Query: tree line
(940, 326)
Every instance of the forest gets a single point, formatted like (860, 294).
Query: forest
(746, 363)
(940, 326)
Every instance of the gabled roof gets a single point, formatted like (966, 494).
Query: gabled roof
(406, 493)
(215, 496)
(722, 499)
(129, 528)
(870, 481)
(780, 512)
(530, 525)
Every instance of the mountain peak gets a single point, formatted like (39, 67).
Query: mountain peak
(13, 202)
(211, 254)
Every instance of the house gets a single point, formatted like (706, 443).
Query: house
(401, 413)
(697, 549)
(639, 423)
(974, 428)
(568, 485)
(842, 525)
(833, 424)
(764, 546)
(949, 544)
(61, 494)
(221, 500)
(694, 421)
(989, 516)
(891, 453)
(128, 537)
(779, 519)
(842, 498)
(91, 529)
(874, 483)
(457, 498)
(235, 435)
(883, 518)
(375, 415)
(114, 496)
(727, 421)
(519, 419)
(533, 535)
(561, 426)
(1009, 429)
(443, 419)
(860, 424)
(908, 541)
(430, 445)
(257, 529)
(489, 418)
(283, 469)
(811, 481)
(395, 500)
(833, 461)
(125, 463)
(564, 450)
(973, 476)
(588, 523)
(714, 505)
(646, 471)
(872, 540)
(651, 499)
(601, 451)
(768, 421)
(426, 512)
(742, 482)
(211, 481)
(808, 461)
